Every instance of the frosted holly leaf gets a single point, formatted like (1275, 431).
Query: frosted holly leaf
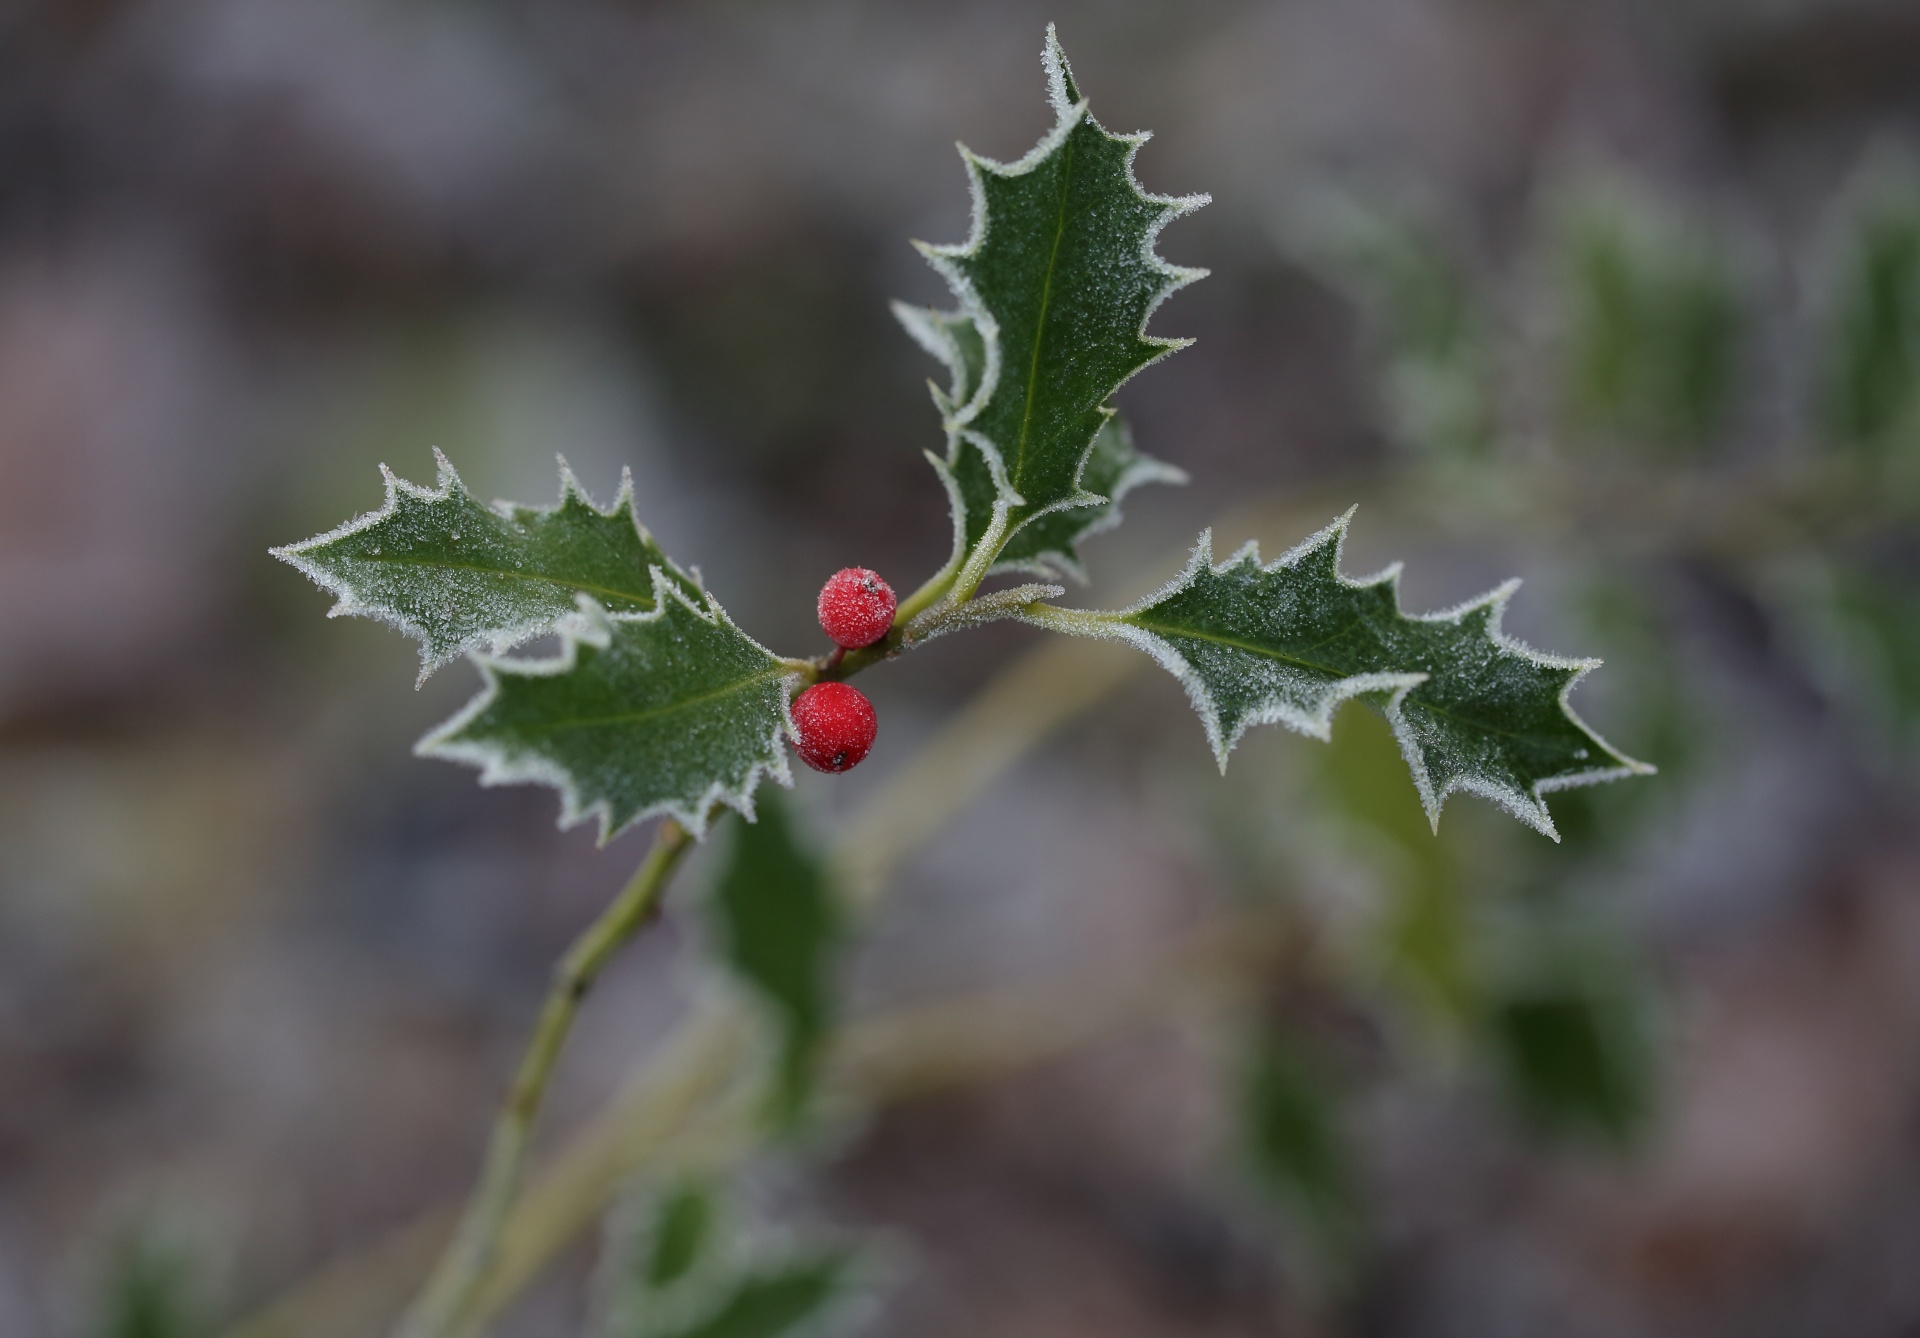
(1055, 287)
(461, 576)
(1048, 544)
(671, 711)
(953, 338)
(1286, 643)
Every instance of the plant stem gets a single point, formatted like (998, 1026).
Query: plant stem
(469, 1256)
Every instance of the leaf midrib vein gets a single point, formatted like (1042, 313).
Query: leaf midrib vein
(1040, 322)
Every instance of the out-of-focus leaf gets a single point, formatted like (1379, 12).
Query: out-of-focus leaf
(781, 928)
(1298, 1146)
(1871, 362)
(682, 1230)
(1656, 323)
(150, 1292)
(1424, 938)
(1422, 310)
(695, 1269)
(789, 1299)
(1569, 1023)
(1570, 1065)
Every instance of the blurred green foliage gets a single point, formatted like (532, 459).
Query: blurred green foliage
(1423, 939)
(1297, 1142)
(151, 1291)
(693, 1269)
(680, 1234)
(781, 928)
(1422, 309)
(1871, 398)
(1656, 323)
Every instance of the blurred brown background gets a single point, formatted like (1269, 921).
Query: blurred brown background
(262, 971)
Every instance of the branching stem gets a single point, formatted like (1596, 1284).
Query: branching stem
(469, 1256)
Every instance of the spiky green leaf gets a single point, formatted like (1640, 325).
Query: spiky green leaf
(1286, 643)
(1049, 544)
(670, 711)
(1055, 285)
(780, 926)
(460, 576)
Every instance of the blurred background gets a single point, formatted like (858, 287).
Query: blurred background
(1619, 297)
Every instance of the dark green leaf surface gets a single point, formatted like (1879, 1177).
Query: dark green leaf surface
(671, 711)
(461, 576)
(1287, 643)
(781, 927)
(1055, 285)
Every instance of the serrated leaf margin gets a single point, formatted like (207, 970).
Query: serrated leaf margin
(922, 323)
(590, 626)
(347, 604)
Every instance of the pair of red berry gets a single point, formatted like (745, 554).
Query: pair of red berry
(834, 722)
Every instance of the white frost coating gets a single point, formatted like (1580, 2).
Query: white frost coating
(943, 617)
(1528, 806)
(924, 326)
(1070, 110)
(591, 625)
(956, 508)
(1318, 722)
(348, 602)
(1053, 563)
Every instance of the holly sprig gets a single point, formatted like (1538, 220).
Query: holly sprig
(659, 705)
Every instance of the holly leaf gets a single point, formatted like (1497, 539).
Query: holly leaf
(1286, 643)
(1055, 286)
(460, 576)
(1048, 545)
(669, 711)
(780, 927)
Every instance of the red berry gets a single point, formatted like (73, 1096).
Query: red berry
(836, 726)
(856, 607)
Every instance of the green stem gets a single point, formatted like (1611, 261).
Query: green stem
(1073, 622)
(470, 1255)
(974, 570)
